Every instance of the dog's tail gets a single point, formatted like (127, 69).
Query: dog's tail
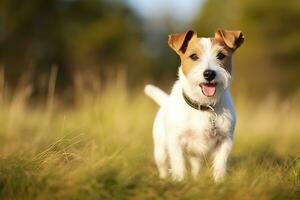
(156, 94)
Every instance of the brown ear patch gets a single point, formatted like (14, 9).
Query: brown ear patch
(232, 39)
(179, 42)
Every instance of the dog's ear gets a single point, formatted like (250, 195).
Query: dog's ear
(232, 39)
(179, 41)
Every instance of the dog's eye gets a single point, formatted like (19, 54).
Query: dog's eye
(220, 56)
(194, 57)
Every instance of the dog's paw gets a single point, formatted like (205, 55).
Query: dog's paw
(219, 176)
(177, 177)
(163, 174)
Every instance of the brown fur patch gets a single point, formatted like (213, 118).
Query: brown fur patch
(186, 44)
(226, 62)
(232, 39)
(179, 42)
(218, 45)
(193, 48)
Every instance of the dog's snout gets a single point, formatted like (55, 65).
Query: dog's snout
(209, 75)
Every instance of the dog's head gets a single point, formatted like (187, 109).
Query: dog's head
(206, 63)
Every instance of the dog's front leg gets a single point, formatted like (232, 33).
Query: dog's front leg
(195, 165)
(176, 158)
(221, 155)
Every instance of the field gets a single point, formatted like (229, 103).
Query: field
(102, 149)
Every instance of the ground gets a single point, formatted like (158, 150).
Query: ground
(101, 148)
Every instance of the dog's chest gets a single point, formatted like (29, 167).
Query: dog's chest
(197, 137)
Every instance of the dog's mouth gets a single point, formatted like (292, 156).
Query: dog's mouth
(208, 89)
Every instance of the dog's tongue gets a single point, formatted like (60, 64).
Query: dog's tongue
(208, 89)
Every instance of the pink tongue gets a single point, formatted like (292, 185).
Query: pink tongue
(208, 90)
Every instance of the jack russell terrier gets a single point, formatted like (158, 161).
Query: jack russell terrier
(198, 117)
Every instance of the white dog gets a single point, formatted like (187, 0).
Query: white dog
(198, 117)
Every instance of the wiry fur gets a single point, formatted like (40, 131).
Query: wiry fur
(180, 130)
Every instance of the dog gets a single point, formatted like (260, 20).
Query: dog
(198, 118)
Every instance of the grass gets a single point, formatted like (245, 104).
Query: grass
(102, 149)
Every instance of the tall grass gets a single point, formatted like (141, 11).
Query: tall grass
(101, 148)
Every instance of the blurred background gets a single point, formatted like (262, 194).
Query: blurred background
(82, 41)
(75, 123)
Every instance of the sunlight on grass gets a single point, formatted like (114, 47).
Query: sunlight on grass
(101, 148)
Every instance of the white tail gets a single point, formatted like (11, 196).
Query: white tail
(156, 94)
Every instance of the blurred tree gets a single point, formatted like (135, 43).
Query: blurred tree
(269, 59)
(104, 36)
(75, 35)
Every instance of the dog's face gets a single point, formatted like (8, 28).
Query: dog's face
(206, 62)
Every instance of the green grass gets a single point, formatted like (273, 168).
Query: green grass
(102, 149)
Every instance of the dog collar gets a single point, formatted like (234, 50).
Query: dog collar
(196, 105)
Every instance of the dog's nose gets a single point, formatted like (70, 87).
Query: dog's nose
(209, 74)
